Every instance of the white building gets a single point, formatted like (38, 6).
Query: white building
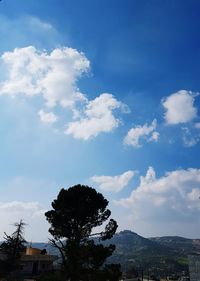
(35, 261)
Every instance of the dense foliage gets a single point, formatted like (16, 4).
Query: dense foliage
(76, 212)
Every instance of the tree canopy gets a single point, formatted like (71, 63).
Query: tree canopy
(76, 212)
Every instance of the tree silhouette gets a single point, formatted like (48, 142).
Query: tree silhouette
(76, 212)
(12, 248)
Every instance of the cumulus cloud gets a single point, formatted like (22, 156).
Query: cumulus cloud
(180, 107)
(53, 76)
(97, 117)
(47, 117)
(173, 197)
(145, 132)
(115, 183)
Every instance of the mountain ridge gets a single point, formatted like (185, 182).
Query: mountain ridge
(156, 254)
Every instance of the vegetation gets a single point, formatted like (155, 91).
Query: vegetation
(51, 276)
(152, 256)
(76, 212)
(148, 257)
(12, 248)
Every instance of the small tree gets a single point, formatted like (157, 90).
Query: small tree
(76, 212)
(12, 248)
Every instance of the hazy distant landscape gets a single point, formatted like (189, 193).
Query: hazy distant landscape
(159, 255)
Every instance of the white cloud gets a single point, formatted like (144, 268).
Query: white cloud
(114, 184)
(30, 212)
(19, 206)
(37, 23)
(171, 198)
(180, 107)
(149, 178)
(189, 138)
(47, 117)
(145, 132)
(96, 118)
(53, 76)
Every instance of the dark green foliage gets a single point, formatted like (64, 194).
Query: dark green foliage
(51, 276)
(131, 271)
(110, 230)
(76, 212)
(113, 272)
(94, 255)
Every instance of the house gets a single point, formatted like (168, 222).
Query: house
(36, 261)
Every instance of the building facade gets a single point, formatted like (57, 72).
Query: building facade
(35, 262)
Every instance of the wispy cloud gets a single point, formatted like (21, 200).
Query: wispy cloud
(138, 134)
(47, 117)
(190, 137)
(113, 183)
(37, 23)
(26, 30)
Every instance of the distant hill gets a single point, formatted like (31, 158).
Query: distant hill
(180, 245)
(133, 250)
(159, 255)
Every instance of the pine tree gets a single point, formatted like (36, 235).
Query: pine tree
(13, 247)
(76, 212)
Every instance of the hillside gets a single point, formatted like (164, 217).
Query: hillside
(133, 250)
(157, 255)
(180, 245)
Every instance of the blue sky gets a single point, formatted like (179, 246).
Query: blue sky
(103, 93)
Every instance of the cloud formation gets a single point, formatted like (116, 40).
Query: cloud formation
(97, 117)
(141, 133)
(115, 183)
(53, 76)
(19, 206)
(173, 197)
(30, 212)
(180, 107)
(190, 138)
(47, 117)
(36, 23)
